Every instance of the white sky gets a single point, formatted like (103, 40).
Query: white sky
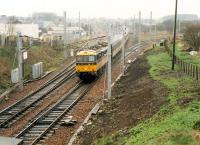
(99, 8)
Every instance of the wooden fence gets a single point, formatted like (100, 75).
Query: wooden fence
(188, 68)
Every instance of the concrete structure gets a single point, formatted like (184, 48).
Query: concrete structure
(31, 30)
(57, 32)
(15, 76)
(37, 70)
(10, 141)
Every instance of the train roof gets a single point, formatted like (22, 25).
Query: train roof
(87, 52)
(92, 52)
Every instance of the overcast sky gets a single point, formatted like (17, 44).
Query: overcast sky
(99, 8)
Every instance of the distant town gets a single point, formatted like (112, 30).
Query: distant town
(46, 26)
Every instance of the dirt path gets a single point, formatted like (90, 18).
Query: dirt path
(136, 97)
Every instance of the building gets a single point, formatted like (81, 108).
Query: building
(71, 30)
(57, 32)
(30, 30)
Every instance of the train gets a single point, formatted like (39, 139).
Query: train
(91, 63)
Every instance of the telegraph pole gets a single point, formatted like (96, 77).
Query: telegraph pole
(109, 57)
(65, 36)
(20, 60)
(139, 33)
(174, 41)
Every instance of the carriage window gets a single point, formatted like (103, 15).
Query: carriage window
(91, 58)
(86, 58)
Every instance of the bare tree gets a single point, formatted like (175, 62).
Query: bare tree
(192, 36)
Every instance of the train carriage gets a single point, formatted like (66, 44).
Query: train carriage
(91, 63)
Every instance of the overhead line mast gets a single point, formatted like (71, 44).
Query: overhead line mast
(109, 55)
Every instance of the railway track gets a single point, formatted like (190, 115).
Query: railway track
(135, 47)
(44, 124)
(12, 113)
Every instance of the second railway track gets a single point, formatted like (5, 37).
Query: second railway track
(44, 123)
(10, 114)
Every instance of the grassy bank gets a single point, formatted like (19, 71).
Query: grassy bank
(51, 59)
(176, 123)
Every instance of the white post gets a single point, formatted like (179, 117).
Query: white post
(51, 41)
(179, 28)
(139, 37)
(3, 39)
(151, 18)
(109, 57)
(79, 24)
(123, 52)
(65, 36)
(155, 33)
(20, 60)
(134, 25)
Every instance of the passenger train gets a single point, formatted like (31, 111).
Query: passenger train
(91, 63)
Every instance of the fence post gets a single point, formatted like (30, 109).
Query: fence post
(175, 60)
(193, 71)
(188, 65)
(178, 62)
(183, 66)
(186, 68)
(197, 72)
